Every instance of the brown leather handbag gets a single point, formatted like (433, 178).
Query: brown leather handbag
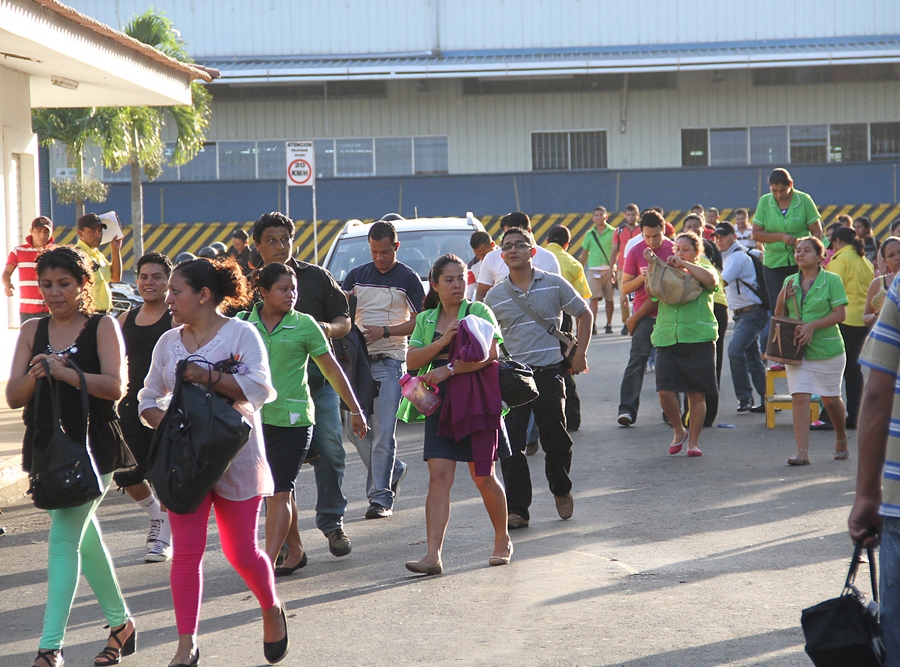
(782, 346)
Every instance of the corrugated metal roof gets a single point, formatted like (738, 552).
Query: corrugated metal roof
(564, 61)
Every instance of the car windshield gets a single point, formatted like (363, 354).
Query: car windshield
(418, 250)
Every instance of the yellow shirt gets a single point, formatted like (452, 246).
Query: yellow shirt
(102, 276)
(571, 270)
(857, 274)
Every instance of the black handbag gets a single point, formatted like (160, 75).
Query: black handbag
(63, 473)
(844, 631)
(517, 386)
(196, 441)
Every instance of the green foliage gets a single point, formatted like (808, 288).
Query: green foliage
(72, 190)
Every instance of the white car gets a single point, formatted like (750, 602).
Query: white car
(422, 241)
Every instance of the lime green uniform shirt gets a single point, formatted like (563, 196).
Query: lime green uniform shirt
(692, 322)
(599, 246)
(423, 336)
(825, 294)
(796, 221)
(290, 345)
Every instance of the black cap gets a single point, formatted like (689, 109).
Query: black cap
(90, 220)
(724, 229)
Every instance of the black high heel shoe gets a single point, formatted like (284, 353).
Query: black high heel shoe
(111, 655)
(195, 659)
(277, 651)
(56, 653)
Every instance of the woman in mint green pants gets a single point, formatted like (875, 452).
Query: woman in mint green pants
(94, 343)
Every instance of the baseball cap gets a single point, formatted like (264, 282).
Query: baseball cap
(724, 229)
(90, 220)
(42, 221)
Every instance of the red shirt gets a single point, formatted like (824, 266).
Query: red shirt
(636, 261)
(23, 257)
(622, 236)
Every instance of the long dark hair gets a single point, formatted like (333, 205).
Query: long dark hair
(222, 277)
(847, 235)
(437, 270)
(75, 262)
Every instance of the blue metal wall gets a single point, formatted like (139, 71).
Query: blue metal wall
(495, 194)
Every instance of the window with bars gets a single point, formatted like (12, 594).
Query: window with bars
(728, 147)
(568, 150)
(849, 143)
(769, 145)
(885, 138)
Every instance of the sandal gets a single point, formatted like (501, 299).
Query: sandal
(56, 654)
(802, 459)
(112, 655)
(841, 456)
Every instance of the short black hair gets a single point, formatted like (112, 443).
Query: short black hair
(272, 219)
(154, 257)
(479, 239)
(518, 230)
(651, 218)
(515, 219)
(780, 176)
(383, 230)
(559, 234)
(239, 234)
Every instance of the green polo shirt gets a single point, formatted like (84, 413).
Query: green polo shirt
(827, 292)
(290, 345)
(597, 243)
(423, 336)
(795, 221)
(692, 322)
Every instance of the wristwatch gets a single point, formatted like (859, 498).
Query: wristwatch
(387, 334)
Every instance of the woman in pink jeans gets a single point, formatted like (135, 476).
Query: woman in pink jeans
(197, 290)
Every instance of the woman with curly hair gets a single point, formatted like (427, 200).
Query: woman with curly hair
(94, 343)
(198, 290)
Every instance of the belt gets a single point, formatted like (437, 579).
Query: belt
(746, 309)
(378, 357)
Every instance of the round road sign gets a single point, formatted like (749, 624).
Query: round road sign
(300, 172)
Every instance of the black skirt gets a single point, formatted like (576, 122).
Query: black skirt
(687, 367)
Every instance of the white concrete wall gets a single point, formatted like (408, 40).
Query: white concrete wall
(491, 133)
(283, 27)
(16, 139)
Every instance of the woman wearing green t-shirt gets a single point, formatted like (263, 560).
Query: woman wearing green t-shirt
(436, 326)
(291, 338)
(818, 298)
(685, 340)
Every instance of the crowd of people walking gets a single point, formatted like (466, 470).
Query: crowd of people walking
(246, 325)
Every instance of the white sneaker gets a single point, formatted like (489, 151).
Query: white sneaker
(160, 552)
(153, 533)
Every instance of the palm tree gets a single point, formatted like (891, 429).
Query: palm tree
(139, 142)
(75, 128)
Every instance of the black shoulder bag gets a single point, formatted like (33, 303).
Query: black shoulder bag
(844, 631)
(196, 441)
(63, 473)
(517, 385)
(567, 341)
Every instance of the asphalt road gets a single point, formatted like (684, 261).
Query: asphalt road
(667, 560)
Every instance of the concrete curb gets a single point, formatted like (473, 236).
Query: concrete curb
(13, 480)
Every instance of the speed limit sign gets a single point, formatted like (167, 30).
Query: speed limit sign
(301, 163)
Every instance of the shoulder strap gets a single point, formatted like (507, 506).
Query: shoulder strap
(525, 308)
(54, 396)
(599, 244)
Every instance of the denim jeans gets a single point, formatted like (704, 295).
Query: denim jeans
(633, 379)
(743, 355)
(378, 450)
(328, 443)
(890, 590)
(549, 414)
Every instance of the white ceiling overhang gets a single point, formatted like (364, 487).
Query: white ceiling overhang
(97, 66)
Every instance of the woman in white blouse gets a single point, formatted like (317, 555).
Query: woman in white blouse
(198, 289)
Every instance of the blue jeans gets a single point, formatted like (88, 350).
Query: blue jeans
(890, 590)
(328, 443)
(378, 450)
(743, 355)
(633, 379)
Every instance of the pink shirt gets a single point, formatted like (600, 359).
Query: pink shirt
(635, 262)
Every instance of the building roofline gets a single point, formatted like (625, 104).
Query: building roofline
(204, 73)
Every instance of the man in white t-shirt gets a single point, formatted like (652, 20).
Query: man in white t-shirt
(494, 269)
(481, 244)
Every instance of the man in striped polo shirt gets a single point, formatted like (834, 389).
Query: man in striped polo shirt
(548, 295)
(31, 304)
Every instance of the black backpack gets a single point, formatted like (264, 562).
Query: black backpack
(760, 291)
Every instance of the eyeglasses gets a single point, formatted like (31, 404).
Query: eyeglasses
(518, 245)
(278, 242)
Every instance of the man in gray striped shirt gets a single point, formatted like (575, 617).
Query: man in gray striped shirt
(549, 295)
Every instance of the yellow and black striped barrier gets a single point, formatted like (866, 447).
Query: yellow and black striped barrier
(174, 238)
